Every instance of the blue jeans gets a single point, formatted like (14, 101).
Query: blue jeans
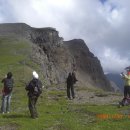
(6, 103)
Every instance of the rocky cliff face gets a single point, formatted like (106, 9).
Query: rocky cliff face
(57, 57)
(86, 64)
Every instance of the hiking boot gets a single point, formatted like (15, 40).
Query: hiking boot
(70, 98)
(73, 97)
(34, 117)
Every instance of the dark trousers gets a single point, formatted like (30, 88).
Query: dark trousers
(70, 89)
(126, 91)
(32, 106)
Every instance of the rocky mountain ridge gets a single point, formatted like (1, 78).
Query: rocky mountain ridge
(57, 57)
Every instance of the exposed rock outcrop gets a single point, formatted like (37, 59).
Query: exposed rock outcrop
(57, 57)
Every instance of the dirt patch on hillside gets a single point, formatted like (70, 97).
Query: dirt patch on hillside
(12, 126)
(97, 98)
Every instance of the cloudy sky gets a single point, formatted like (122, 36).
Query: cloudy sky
(103, 24)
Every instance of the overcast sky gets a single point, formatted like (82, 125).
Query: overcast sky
(103, 24)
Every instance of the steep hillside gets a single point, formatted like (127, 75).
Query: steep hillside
(15, 57)
(55, 57)
(87, 65)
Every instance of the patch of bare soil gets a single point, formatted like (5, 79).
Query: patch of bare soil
(11, 126)
(86, 95)
(83, 96)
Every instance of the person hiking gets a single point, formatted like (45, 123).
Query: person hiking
(34, 89)
(126, 78)
(7, 93)
(71, 80)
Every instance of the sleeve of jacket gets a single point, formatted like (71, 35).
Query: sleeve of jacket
(28, 86)
(127, 77)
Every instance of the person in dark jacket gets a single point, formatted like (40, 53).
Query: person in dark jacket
(7, 93)
(71, 80)
(74, 77)
(34, 89)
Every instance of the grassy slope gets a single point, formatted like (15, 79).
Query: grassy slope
(56, 113)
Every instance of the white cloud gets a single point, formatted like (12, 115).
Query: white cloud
(112, 62)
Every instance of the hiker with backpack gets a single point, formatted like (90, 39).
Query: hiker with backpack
(71, 80)
(34, 89)
(7, 92)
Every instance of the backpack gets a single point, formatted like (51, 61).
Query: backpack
(37, 88)
(124, 102)
(8, 83)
